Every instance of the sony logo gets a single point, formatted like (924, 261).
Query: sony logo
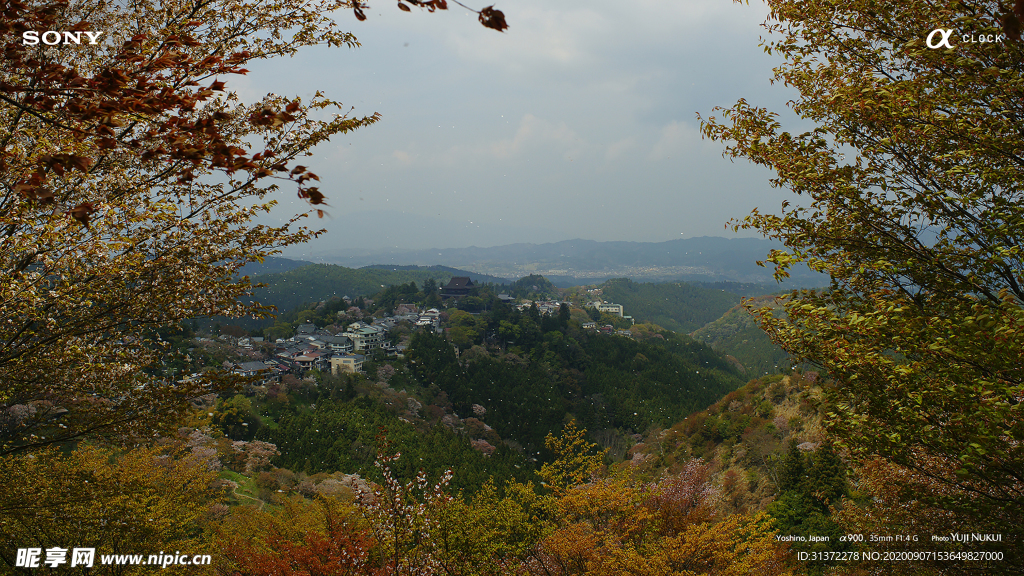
(52, 37)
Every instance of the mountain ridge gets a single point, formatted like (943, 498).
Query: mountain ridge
(708, 258)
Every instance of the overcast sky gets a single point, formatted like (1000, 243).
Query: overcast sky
(578, 122)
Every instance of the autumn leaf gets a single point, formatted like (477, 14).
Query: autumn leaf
(313, 195)
(1011, 25)
(83, 212)
(492, 18)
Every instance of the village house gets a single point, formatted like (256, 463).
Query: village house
(429, 318)
(249, 369)
(545, 307)
(606, 307)
(406, 309)
(311, 360)
(364, 336)
(351, 363)
(338, 343)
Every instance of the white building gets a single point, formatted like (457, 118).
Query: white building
(352, 363)
(607, 307)
(364, 336)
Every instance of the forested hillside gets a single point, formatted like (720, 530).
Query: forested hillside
(766, 446)
(678, 306)
(740, 288)
(438, 272)
(709, 312)
(704, 258)
(515, 378)
(346, 435)
(738, 335)
(604, 382)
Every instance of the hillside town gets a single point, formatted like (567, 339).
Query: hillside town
(344, 351)
(315, 348)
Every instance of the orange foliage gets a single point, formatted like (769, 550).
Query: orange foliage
(342, 552)
(304, 539)
(620, 525)
(604, 526)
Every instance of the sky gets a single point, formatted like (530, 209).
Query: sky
(579, 121)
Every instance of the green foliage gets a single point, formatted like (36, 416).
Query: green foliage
(321, 282)
(614, 320)
(489, 533)
(810, 483)
(473, 303)
(677, 306)
(533, 287)
(576, 460)
(235, 417)
(737, 334)
(396, 294)
(606, 382)
(346, 436)
(912, 199)
(137, 502)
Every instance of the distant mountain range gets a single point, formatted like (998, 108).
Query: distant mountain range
(438, 272)
(272, 265)
(706, 258)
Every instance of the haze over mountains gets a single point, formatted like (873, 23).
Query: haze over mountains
(705, 258)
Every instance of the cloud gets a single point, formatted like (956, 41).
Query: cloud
(578, 38)
(546, 36)
(535, 133)
(581, 109)
(533, 137)
(678, 139)
(616, 150)
(403, 157)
